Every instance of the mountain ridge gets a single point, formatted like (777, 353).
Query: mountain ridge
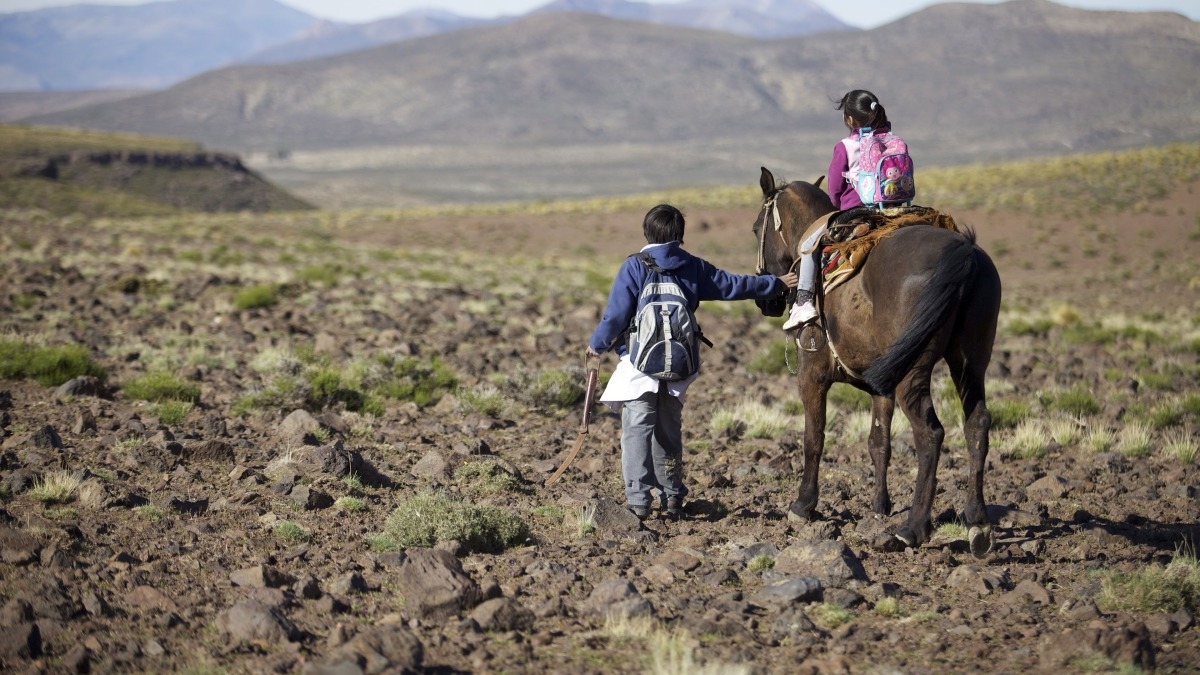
(557, 102)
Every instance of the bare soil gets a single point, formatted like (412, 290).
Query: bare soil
(113, 588)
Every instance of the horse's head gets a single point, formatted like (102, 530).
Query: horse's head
(786, 212)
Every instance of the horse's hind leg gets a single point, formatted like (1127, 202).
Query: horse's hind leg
(880, 445)
(914, 399)
(813, 390)
(968, 374)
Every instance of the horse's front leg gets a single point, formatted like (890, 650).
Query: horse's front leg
(813, 390)
(880, 445)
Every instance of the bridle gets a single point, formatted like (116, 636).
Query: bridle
(771, 212)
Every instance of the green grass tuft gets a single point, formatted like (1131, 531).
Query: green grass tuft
(257, 296)
(1153, 588)
(50, 365)
(157, 386)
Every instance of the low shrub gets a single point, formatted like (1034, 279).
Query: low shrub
(426, 519)
(488, 476)
(410, 379)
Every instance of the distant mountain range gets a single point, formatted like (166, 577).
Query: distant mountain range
(570, 103)
(156, 45)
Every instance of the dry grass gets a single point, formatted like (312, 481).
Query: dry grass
(56, 487)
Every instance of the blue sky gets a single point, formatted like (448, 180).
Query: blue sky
(878, 11)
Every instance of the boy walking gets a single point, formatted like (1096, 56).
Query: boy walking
(652, 409)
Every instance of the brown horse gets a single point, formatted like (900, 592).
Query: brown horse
(924, 294)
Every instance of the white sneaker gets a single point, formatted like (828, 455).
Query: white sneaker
(801, 314)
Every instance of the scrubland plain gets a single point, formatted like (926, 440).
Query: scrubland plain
(286, 411)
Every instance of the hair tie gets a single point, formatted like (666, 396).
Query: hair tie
(873, 104)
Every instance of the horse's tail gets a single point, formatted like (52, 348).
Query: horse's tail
(949, 284)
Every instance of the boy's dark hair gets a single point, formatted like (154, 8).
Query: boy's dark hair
(864, 109)
(663, 223)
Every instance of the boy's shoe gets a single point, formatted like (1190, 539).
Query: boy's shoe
(802, 313)
(642, 512)
(674, 507)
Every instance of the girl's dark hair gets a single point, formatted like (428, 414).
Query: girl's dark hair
(864, 109)
(663, 223)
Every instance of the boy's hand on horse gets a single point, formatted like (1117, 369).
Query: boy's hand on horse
(791, 279)
(592, 352)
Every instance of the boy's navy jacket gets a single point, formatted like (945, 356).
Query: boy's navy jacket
(700, 280)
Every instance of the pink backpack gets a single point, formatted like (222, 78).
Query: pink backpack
(885, 170)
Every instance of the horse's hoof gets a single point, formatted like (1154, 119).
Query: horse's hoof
(799, 515)
(980, 540)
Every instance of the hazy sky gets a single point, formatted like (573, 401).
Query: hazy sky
(879, 11)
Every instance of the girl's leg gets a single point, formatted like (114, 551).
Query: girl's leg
(639, 418)
(667, 449)
(804, 310)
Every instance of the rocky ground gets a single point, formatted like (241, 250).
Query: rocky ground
(221, 542)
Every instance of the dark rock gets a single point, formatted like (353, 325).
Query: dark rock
(831, 562)
(253, 622)
(841, 597)
(434, 584)
(790, 623)
(194, 507)
(502, 614)
(349, 583)
(982, 580)
(47, 438)
(18, 548)
(753, 551)
(78, 660)
(84, 385)
(1123, 644)
(22, 641)
(310, 498)
(610, 518)
(787, 592)
(616, 597)
(307, 587)
(16, 612)
(148, 598)
(261, 576)
(432, 466)
(85, 422)
(382, 649)
(216, 451)
(719, 577)
(1048, 488)
(330, 605)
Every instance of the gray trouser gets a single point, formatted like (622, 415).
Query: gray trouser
(652, 447)
(808, 262)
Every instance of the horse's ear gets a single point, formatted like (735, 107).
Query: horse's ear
(767, 182)
(818, 183)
